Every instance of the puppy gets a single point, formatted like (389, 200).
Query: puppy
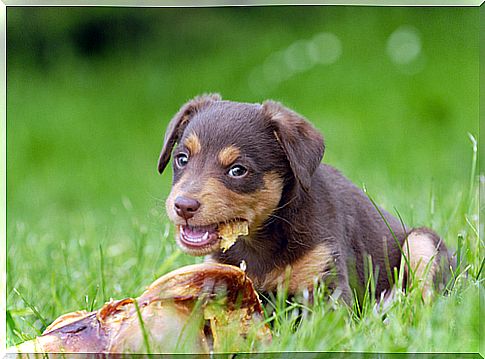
(260, 164)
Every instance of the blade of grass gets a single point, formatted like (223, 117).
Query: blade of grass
(65, 256)
(93, 302)
(101, 271)
(432, 198)
(388, 226)
(11, 325)
(480, 270)
(55, 296)
(474, 167)
(167, 263)
(410, 270)
(459, 255)
(32, 307)
(387, 265)
(142, 327)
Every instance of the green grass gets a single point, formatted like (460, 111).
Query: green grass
(85, 205)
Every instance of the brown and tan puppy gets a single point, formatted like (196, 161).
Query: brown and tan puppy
(261, 164)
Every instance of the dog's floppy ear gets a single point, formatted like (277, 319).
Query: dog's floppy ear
(178, 123)
(301, 142)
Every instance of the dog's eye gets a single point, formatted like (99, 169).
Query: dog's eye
(237, 171)
(181, 160)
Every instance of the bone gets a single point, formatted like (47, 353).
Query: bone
(200, 308)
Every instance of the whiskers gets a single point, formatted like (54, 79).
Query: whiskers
(157, 199)
(285, 204)
(294, 229)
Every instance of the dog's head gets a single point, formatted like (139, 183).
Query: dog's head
(232, 162)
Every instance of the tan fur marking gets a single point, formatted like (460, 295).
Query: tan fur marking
(192, 143)
(420, 251)
(300, 274)
(228, 155)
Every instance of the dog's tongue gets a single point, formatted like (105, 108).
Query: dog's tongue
(198, 235)
(197, 231)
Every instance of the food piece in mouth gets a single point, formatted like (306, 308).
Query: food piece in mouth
(229, 232)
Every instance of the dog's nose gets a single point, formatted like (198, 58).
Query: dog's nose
(186, 207)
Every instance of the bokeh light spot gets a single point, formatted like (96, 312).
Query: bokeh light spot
(300, 56)
(296, 56)
(404, 45)
(325, 48)
(273, 68)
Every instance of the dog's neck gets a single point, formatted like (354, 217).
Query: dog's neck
(279, 242)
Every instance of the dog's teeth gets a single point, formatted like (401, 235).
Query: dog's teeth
(186, 232)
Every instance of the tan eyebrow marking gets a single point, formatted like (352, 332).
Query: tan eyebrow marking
(192, 143)
(228, 155)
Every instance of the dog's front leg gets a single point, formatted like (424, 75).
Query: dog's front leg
(342, 291)
(335, 278)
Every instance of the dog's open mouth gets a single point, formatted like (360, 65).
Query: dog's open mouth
(198, 236)
(212, 237)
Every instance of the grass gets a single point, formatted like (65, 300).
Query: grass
(85, 212)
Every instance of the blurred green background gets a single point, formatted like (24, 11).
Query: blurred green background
(91, 90)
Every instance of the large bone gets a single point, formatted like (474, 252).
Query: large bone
(198, 309)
